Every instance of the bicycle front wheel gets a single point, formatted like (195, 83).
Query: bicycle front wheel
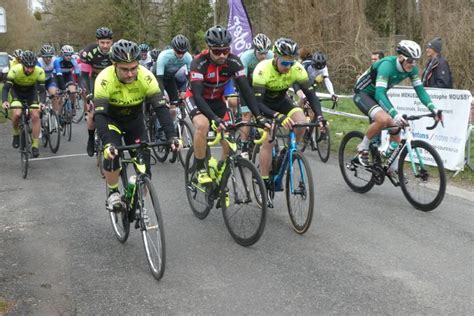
(358, 177)
(152, 228)
(423, 185)
(186, 134)
(25, 149)
(54, 132)
(323, 143)
(299, 193)
(198, 195)
(244, 202)
(119, 220)
(78, 112)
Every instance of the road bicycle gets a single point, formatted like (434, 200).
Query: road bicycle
(237, 187)
(290, 163)
(50, 127)
(414, 165)
(140, 205)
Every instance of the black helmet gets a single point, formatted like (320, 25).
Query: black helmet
(319, 60)
(47, 51)
(261, 43)
(28, 59)
(103, 33)
(124, 51)
(285, 47)
(180, 43)
(143, 47)
(154, 53)
(17, 53)
(218, 36)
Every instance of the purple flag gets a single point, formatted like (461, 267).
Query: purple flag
(240, 28)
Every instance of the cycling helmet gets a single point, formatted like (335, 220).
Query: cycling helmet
(285, 47)
(154, 53)
(261, 43)
(103, 33)
(409, 49)
(47, 51)
(17, 53)
(143, 47)
(319, 60)
(28, 59)
(67, 50)
(180, 43)
(218, 36)
(124, 51)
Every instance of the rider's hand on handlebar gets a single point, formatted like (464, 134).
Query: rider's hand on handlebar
(437, 115)
(285, 121)
(218, 124)
(110, 152)
(399, 120)
(176, 144)
(264, 121)
(6, 105)
(334, 98)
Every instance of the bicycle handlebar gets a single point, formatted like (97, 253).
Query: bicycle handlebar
(142, 145)
(236, 126)
(439, 115)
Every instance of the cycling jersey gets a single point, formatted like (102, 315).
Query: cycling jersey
(270, 85)
(147, 63)
(384, 74)
(168, 64)
(14, 62)
(208, 81)
(64, 70)
(92, 55)
(313, 73)
(22, 84)
(48, 68)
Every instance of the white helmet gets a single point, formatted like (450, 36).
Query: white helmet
(67, 50)
(262, 43)
(409, 49)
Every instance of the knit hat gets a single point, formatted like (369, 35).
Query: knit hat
(435, 44)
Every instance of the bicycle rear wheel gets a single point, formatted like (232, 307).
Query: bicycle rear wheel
(54, 132)
(186, 133)
(244, 202)
(423, 186)
(299, 193)
(25, 149)
(359, 178)
(198, 195)
(45, 129)
(323, 143)
(152, 227)
(119, 220)
(99, 154)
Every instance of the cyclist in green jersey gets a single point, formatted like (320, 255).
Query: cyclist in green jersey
(22, 82)
(370, 93)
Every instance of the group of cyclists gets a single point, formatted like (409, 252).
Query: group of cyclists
(123, 75)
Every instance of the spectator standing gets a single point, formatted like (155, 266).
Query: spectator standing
(376, 55)
(437, 73)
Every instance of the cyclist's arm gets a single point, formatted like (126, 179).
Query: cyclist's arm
(101, 120)
(248, 95)
(311, 97)
(59, 74)
(158, 103)
(6, 89)
(259, 92)
(41, 86)
(420, 91)
(197, 88)
(327, 81)
(161, 84)
(77, 68)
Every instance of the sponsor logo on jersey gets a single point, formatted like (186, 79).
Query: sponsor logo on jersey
(211, 75)
(196, 75)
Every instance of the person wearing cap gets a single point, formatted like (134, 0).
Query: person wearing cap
(437, 73)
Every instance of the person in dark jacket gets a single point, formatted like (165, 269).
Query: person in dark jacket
(437, 73)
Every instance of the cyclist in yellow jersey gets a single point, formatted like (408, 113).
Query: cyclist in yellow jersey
(22, 81)
(119, 93)
(271, 80)
(16, 58)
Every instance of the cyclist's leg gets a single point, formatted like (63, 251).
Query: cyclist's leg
(33, 105)
(52, 88)
(111, 167)
(201, 128)
(16, 108)
(134, 130)
(90, 124)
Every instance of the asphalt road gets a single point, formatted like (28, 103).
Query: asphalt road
(364, 254)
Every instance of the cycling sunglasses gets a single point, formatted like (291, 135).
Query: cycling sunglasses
(410, 60)
(220, 51)
(179, 52)
(287, 63)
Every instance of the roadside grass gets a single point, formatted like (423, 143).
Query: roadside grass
(341, 125)
(5, 306)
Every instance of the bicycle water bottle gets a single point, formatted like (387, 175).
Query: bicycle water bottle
(131, 187)
(212, 165)
(391, 147)
(376, 140)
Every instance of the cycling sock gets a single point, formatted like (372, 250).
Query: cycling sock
(200, 164)
(91, 133)
(112, 188)
(365, 144)
(16, 131)
(35, 142)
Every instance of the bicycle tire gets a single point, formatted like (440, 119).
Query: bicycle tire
(350, 168)
(155, 246)
(435, 173)
(232, 219)
(54, 130)
(79, 107)
(25, 147)
(100, 156)
(323, 144)
(305, 185)
(187, 136)
(119, 220)
(45, 129)
(200, 208)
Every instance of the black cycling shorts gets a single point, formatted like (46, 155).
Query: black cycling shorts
(218, 106)
(283, 106)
